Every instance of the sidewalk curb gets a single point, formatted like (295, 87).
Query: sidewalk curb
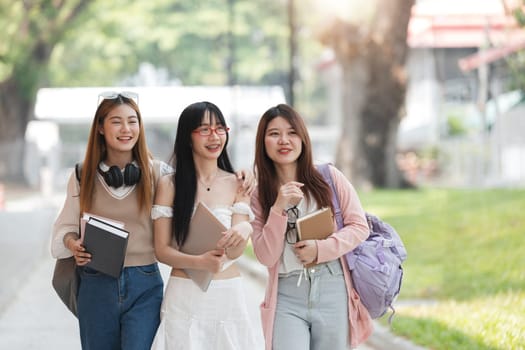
(381, 339)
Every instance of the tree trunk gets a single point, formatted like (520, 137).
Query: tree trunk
(40, 27)
(349, 157)
(15, 110)
(381, 116)
(374, 85)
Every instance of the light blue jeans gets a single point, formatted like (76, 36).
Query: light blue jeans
(313, 315)
(121, 313)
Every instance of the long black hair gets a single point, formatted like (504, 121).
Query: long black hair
(185, 177)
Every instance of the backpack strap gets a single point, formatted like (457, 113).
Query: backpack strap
(324, 169)
(78, 171)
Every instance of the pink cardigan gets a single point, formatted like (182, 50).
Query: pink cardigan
(268, 244)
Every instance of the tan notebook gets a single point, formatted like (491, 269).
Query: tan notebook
(204, 232)
(316, 225)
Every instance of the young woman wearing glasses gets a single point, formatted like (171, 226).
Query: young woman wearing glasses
(191, 318)
(304, 308)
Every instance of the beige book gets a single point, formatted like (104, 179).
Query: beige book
(316, 225)
(204, 232)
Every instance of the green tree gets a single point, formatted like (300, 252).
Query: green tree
(29, 31)
(95, 43)
(188, 39)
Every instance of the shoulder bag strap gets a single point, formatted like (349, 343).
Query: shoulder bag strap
(324, 169)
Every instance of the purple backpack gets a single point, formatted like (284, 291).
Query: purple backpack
(375, 264)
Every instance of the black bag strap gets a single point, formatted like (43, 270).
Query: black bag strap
(78, 171)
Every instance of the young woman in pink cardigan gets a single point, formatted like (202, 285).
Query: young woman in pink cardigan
(314, 307)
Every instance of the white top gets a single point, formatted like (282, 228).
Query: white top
(289, 261)
(223, 213)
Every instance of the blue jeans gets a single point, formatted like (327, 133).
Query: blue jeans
(313, 315)
(121, 313)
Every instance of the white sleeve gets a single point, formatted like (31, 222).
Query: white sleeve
(161, 211)
(243, 209)
(165, 169)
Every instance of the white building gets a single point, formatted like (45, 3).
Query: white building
(57, 138)
(457, 71)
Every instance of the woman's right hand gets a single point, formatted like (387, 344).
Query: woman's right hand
(289, 194)
(213, 260)
(79, 252)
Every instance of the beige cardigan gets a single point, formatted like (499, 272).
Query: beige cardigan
(138, 222)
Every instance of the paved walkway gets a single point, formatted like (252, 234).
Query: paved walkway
(37, 319)
(32, 316)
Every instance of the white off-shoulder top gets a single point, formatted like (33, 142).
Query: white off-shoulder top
(223, 213)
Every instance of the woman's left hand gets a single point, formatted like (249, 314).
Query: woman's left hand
(306, 251)
(248, 181)
(236, 235)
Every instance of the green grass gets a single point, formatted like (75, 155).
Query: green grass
(466, 250)
(466, 254)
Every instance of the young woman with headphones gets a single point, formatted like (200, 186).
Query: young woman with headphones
(115, 313)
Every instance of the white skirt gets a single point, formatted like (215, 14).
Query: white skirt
(195, 320)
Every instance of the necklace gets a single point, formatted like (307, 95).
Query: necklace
(208, 186)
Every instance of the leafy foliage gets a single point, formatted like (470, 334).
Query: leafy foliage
(32, 28)
(516, 61)
(519, 14)
(455, 126)
(188, 39)
(100, 43)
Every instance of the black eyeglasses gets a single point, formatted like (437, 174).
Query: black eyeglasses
(291, 227)
(111, 95)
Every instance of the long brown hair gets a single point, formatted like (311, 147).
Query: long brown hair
(96, 152)
(268, 182)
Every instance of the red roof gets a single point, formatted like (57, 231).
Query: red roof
(489, 55)
(462, 23)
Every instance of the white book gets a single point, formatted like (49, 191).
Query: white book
(87, 216)
(109, 227)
